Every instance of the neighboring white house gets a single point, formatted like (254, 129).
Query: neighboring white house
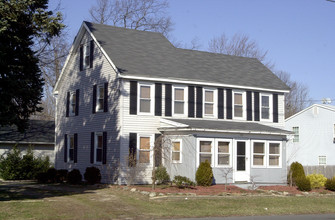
(40, 135)
(120, 89)
(313, 142)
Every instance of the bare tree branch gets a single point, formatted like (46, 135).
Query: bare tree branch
(147, 15)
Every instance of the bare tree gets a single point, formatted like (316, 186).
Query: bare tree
(239, 45)
(298, 98)
(147, 15)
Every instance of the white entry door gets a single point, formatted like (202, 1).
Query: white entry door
(241, 160)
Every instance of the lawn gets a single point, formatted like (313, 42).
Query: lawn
(32, 201)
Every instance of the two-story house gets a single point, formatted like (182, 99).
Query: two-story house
(121, 90)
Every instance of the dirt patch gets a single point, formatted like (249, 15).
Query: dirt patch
(230, 189)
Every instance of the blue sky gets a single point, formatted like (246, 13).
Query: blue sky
(299, 35)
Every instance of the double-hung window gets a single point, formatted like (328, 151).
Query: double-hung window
(71, 147)
(72, 103)
(296, 134)
(274, 154)
(265, 107)
(100, 98)
(322, 160)
(239, 106)
(87, 55)
(98, 147)
(205, 151)
(144, 150)
(145, 98)
(258, 153)
(179, 100)
(223, 151)
(176, 151)
(209, 102)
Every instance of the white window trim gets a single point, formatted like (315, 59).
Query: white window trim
(97, 98)
(265, 154)
(294, 135)
(150, 150)
(216, 152)
(280, 154)
(72, 111)
(96, 134)
(270, 107)
(180, 151)
(244, 108)
(215, 104)
(323, 156)
(198, 150)
(185, 100)
(86, 49)
(68, 148)
(152, 100)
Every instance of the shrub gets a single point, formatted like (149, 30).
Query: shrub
(204, 174)
(42, 177)
(316, 180)
(61, 176)
(52, 172)
(330, 184)
(92, 175)
(296, 171)
(303, 183)
(13, 166)
(182, 182)
(74, 177)
(161, 175)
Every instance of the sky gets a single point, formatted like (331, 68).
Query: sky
(299, 35)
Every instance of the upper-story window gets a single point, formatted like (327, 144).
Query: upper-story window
(72, 103)
(100, 98)
(145, 98)
(209, 102)
(265, 106)
(179, 100)
(86, 55)
(239, 106)
(296, 134)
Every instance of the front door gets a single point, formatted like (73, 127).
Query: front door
(242, 164)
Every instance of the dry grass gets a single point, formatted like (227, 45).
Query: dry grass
(84, 202)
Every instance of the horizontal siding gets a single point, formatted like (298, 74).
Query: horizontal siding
(86, 122)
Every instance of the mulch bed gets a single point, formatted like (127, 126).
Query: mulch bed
(230, 189)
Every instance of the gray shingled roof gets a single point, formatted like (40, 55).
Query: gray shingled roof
(149, 54)
(38, 131)
(229, 126)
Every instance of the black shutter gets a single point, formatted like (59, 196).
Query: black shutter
(106, 97)
(81, 61)
(77, 103)
(256, 106)
(94, 102)
(91, 53)
(133, 98)
(158, 150)
(158, 99)
(220, 103)
(65, 148)
(199, 102)
(104, 147)
(132, 149)
(229, 104)
(67, 104)
(75, 152)
(249, 106)
(168, 99)
(92, 148)
(275, 108)
(191, 101)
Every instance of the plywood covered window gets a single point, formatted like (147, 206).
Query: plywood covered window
(144, 150)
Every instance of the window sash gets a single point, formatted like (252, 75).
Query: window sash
(71, 147)
(258, 154)
(144, 150)
(296, 134)
(145, 98)
(87, 55)
(238, 105)
(100, 98)
(179, 103)
(322, 160)
(176, 151)
(98, 147)
(209, 97)
(205, 151)
(265, 107)
(73, 103)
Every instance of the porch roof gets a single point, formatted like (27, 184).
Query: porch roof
(220, 126)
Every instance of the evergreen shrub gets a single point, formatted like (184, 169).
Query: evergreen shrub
(61, 176)
(317, 180)
(204, 174)
(161, 175)
(296, 171)
(74, 177)
(303, 183)
(330, 184)
(183, 182)
(92, 175)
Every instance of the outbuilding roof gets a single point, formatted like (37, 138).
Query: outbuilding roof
(149, 54)
(39, 131)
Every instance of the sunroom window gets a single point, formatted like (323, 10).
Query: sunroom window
(205, 151)
(274, 154)
(258, 154)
